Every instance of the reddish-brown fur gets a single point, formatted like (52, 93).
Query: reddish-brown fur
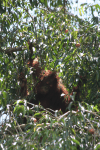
(36, 68)
(23, 85)
(50, 92)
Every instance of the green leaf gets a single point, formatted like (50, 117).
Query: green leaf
(97, 147)
(19, 102)
(73, 131)
(76, 141)
(4, 101)
(38, 115)
(19, 109)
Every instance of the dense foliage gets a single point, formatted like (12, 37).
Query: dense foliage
(63, 42)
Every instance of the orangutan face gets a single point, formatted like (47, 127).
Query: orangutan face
(48, 82)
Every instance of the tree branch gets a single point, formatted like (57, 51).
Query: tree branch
(11, 50)
(15, 49)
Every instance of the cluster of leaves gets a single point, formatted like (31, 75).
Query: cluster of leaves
(45, 24)
(48, 129)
